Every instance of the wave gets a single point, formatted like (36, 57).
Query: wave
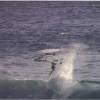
(86, 90)
(61, 83)
(40, 89)
(23, 89)
(63, 77)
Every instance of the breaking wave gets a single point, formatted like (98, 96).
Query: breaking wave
(40, 89)
(61, 83)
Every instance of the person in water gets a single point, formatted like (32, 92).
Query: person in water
(53, 67)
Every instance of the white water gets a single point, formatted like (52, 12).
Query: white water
(62, 81)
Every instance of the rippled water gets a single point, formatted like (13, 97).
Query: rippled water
(28, 27)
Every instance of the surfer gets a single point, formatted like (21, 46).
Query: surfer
(53, 66)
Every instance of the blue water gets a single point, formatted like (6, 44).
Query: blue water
(26, 28)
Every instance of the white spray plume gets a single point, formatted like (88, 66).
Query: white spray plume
(62, 80)
(65, 70)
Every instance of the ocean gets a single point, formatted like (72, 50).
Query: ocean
(33, 35)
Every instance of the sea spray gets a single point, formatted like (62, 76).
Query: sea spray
(62, 82)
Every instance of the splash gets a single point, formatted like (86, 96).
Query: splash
(65, 70)
(62, 80)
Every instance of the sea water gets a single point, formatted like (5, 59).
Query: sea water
(34, 34)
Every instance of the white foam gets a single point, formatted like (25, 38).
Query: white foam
(64, 33)
(49, 50)
(65, 69)
(62, 80)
